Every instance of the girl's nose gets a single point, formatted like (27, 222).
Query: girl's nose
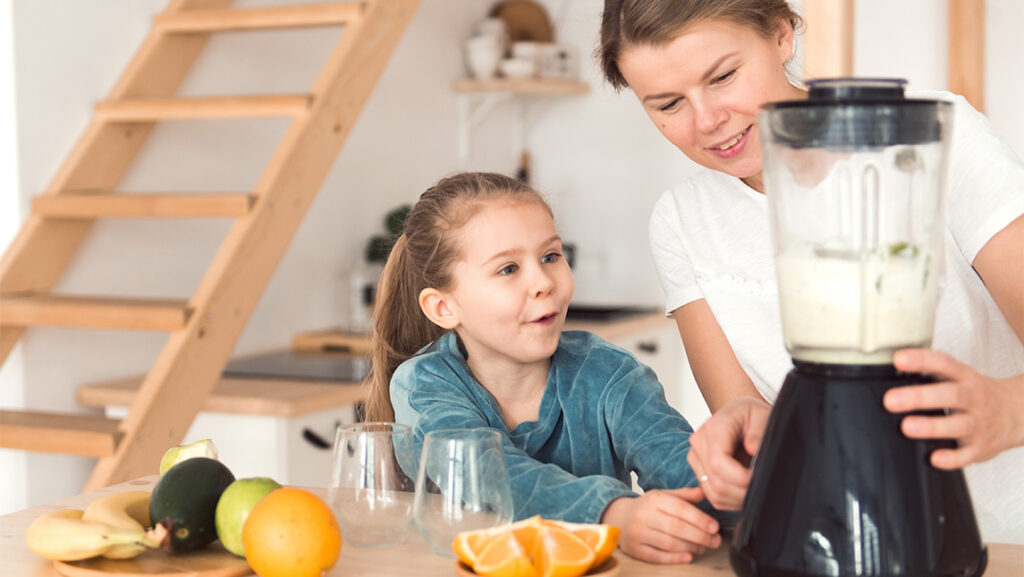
(543, 284)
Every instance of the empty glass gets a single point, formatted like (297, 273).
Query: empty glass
(370, 492)
(462, 485)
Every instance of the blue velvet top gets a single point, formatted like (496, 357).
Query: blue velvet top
(603, 415)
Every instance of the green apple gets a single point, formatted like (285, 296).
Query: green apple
(233, 508)
(175, 455)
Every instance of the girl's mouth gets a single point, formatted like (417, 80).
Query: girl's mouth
(546, 319)
(733, 146)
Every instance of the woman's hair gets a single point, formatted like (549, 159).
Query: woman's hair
(627, 23)
(423, 257)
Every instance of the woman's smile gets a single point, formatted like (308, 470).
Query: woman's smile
(732, 146)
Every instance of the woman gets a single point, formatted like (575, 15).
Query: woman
(701, 69)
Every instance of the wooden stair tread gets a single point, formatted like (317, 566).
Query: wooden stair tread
(200, 21)
(153, 109)
(97, 204)
(96, 312)
(65, 433)
(274, 397)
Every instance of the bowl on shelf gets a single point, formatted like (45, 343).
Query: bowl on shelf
(518, 67)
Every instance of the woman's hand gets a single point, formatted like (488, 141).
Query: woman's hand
(721, 449)
(663, 526)
(986, 415)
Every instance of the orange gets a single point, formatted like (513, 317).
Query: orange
(559, 553)
(504, 556)
(602, 539)
(291, 533)
(469, 544)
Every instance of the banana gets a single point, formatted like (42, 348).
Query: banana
(128, 511)
(64, 536)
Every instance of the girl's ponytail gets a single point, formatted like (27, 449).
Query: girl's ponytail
(399, 328)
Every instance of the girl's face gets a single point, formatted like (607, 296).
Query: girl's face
(512, 286)
(704, 89)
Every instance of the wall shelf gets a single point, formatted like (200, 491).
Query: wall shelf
(476, 99)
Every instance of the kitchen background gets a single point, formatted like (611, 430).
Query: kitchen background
(596, 156)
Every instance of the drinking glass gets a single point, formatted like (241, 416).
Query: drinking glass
(370, 491)
(462, 485)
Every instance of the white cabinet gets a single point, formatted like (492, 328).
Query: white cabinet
(282, 448)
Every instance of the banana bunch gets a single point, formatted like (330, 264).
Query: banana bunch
(113, 526)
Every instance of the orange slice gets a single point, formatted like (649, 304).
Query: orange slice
(504, 556)
(602, 539)
(468, 545)
(560, 553)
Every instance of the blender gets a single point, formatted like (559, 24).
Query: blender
(855, 179)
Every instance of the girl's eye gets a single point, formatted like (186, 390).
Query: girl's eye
(551, 257)
(724, 77)
(668, 106)
(508, 269)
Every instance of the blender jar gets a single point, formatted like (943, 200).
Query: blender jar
(855, 177)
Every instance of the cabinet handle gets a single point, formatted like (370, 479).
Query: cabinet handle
(650, 347)
(315, 439)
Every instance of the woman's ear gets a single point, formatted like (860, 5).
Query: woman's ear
(785, 38)
(434, 305)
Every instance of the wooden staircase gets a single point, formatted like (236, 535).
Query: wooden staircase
(203, 329)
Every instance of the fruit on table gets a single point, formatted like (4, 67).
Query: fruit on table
(64, 536)
(128, 511)
(537, 548)
(175, 455)
(291, 533)
(184, 502)
(234, 506)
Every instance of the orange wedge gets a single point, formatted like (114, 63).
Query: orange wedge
(468, 545)
(560, 553)
(504, 556)
(602, 539)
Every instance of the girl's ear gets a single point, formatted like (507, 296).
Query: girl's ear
(434, 305)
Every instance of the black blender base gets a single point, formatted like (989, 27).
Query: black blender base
(838, 491)
(745, 566)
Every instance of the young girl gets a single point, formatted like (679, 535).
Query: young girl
(468, 333)
(701, 70)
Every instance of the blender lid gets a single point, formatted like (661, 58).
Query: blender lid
(854, 114)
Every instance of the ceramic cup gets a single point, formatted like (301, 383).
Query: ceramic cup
(483, 55)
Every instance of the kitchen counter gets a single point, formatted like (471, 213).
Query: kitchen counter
(411, 559)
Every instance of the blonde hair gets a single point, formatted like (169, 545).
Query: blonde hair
(423, 257)
(627, 23)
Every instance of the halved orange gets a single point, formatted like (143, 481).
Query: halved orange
(468, 545)
(504, 556)
(602, 539)
(560, 553)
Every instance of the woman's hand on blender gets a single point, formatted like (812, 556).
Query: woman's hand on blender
(985, 415)
(720, 451)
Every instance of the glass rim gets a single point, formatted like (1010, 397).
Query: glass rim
(373, 427)
(462, 434)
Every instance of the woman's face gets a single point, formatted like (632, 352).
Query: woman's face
(704, 89)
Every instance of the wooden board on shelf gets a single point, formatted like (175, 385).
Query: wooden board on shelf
(522, 86)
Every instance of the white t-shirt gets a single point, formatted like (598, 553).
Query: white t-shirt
(711, 239)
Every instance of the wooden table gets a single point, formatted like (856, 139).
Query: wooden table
(411, 559)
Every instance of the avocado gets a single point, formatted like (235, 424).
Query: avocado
(184, 502)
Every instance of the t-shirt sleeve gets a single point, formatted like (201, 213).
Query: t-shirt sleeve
(986, 187)
(429, 399)
(671, 259)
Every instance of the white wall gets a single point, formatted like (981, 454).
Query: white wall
(597, 157)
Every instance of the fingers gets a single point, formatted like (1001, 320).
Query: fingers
(954, 426)
(926, 397)
(931, 362)
(954, 458)
(654, 555)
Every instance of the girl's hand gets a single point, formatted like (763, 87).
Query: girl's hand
(663, 526)
(721, 449)
(986, 415)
